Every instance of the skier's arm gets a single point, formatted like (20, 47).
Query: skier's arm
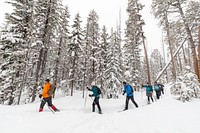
(89, 89)
(45, 90)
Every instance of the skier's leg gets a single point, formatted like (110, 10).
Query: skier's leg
(152, 99)
(132, 99)
(49, 101)
(157, 95)
(42, 105)
(93, 106)
(97, 103)
(126, 103)
(162, 91)
(148, 99)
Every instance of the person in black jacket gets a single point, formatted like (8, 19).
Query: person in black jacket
(161, 88)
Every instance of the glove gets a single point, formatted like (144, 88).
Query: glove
(123, 93)
(40, 95)
(90, 95)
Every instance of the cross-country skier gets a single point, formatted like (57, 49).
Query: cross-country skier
(129, 95)
(46, 97)
(149, 92)
(161, 88)
(96, 96)
(157, 90)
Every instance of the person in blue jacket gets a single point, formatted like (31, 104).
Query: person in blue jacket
(96, 96)
(129, 95)
(149, 91)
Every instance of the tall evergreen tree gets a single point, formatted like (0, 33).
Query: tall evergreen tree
(113, 71)
(76, 54)
(45, 38)
(102, 59)
(92, 44)
(133, 38)
(15, 43)
(63, 35)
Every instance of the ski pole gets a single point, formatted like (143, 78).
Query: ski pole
(86, 98)
(48, 106)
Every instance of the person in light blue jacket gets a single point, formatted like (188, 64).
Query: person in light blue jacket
(129, 95)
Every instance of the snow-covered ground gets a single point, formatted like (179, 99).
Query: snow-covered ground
(164, 116)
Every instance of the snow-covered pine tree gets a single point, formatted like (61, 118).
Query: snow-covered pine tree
(186, 86)
(156, 63)
(113, 73)
(133, 40)
(15, 41)
(75, 50)
(102, 59)
(63, 35)
(92, 36)
(61, 44)
(46, 21)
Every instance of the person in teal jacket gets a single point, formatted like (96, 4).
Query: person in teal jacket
(149, 92)
(96, 96)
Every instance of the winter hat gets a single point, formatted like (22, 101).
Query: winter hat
(124, 82)
(47, 80)
(93, 83)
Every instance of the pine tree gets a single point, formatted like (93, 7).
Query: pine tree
(113, 71)
(45, 41)
(102, 59)
(15, 41)
(187, 86)
(62, 68)
(156, 63)
(133, 40)
(92, 45)
(75, 54)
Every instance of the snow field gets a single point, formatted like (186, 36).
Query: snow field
(166, 115)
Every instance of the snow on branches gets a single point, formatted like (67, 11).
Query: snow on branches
(186, 87)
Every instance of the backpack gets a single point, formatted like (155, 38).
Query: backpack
(156, 87)
(52, 90)
(98, 90)
(131, 89)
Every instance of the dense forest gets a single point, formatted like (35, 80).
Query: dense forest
(37, 42)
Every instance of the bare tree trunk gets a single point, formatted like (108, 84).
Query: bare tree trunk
(184, 56)
(192, 45)
(199, 45)
(57, 64)
(174, 55)
(37, 74)
(170, 46)
(180, 63)
(74, 62)
(147, 61)
(164, 59)
(46, 39)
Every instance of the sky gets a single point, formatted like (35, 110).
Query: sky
(108, 12)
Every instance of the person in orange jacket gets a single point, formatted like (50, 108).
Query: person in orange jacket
(46, 97)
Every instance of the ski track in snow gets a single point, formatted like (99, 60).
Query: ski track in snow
(166, 115)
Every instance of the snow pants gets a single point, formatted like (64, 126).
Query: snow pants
(158, 93)
(96, 102)
(127, 101)
(47, 100)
